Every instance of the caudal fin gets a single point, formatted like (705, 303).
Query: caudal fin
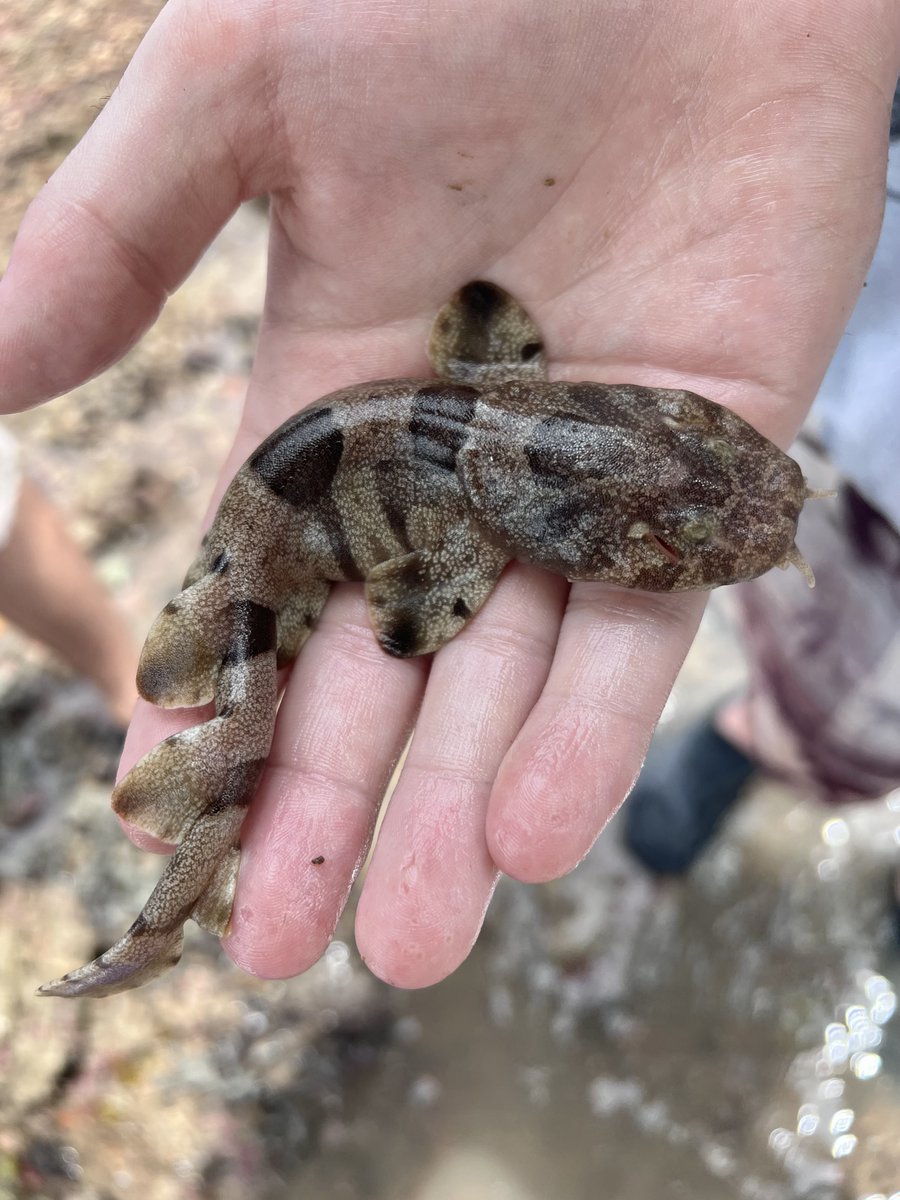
(136, 958)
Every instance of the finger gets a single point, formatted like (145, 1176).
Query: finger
(431, 875)
(342, 725)
(582, 746)
(128, 213)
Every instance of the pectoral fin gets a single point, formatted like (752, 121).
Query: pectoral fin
(420, 600)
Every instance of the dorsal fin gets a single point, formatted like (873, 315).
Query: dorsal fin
(483, 335)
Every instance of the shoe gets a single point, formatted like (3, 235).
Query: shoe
(689, 783)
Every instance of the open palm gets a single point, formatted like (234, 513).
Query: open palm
(680, 193)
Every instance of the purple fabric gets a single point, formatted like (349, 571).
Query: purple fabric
(825, 663)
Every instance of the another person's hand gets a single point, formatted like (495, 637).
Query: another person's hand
(685, 195)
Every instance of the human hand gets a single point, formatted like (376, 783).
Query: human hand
(667, 213)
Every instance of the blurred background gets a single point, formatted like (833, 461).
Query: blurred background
(728, 1035)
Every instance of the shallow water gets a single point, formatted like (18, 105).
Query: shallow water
(731, 1037)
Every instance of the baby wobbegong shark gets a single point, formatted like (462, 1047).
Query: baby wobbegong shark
(424, 490)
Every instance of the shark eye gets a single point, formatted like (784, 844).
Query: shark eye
(721, 449)
(698, 531)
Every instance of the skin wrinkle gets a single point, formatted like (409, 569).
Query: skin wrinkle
(419, 921)
(139, 266)
(614, 696)
(274, 68)
(744, 393)
(271, 163)
(556, 823)
(479, 761)
(478, 688)
(448, 773)
(441, 807)
(300, 734)
(556, 201)
(89, 360)
(626, 610)
(217, 196)
(300, 753)
(633, 279)
(505, 139)
(495, 681)
(344, 813)
(572, 726)
(435, 810)
(502, 641)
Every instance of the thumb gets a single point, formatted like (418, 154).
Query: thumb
(128, 213)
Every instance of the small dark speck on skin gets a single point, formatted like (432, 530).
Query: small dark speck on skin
(456, 187)
(318, 860)
(465, 154)
(549, 181)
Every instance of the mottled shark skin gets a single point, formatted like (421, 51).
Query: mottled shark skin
(422, 490)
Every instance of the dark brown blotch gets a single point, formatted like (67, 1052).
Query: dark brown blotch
(300, 460)
(557, 521)
(482, 299)
(549, 450)
(400, 640)
(253, 631)
(439, 422)
(239, 782)
(338, 542)
(160, 678)
(393, 502)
